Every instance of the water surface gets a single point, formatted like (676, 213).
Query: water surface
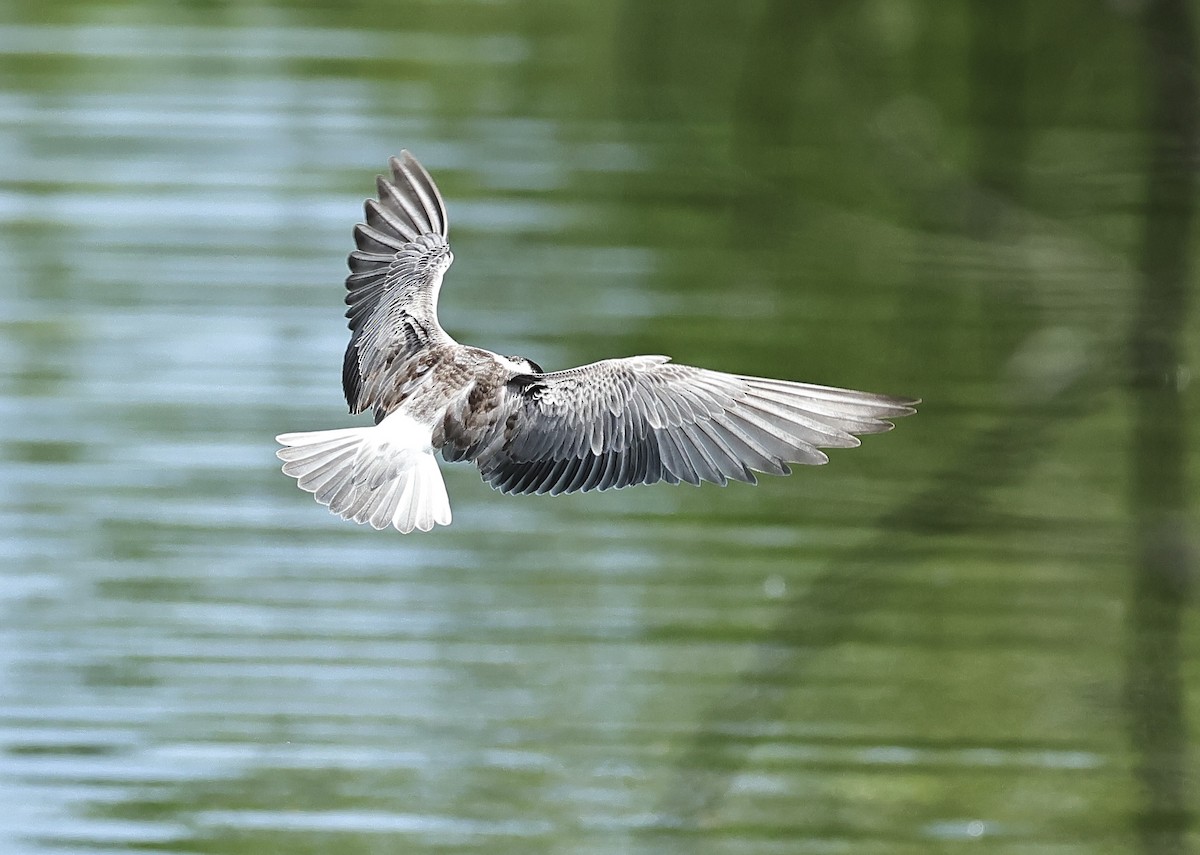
(952, 635)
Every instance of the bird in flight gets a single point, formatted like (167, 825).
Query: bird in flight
(613, 423)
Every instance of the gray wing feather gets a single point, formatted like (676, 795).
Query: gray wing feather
(394, 278)
(643, 419)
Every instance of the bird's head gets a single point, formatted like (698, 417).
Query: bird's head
(523, 365)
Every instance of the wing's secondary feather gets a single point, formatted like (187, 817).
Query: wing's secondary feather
(640, 420)
(391, 292)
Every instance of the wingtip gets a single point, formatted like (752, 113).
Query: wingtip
(394, 177)
(398, 162)
(908, 405)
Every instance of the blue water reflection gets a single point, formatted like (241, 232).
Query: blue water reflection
(921, 645)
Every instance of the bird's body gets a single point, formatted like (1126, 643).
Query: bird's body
(612, 423)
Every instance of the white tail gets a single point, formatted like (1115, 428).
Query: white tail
(382, 475)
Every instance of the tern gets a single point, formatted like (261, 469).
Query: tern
(613, 423)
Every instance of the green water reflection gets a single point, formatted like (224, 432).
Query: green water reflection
(974, 630)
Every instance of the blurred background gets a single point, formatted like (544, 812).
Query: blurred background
(974, 631)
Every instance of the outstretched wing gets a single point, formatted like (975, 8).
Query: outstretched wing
(392, 289)
(642, 420)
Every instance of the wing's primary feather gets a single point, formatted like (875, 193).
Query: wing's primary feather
(641, 420)
(392, 289)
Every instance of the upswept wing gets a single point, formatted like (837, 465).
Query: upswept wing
(392, 289)
(641, 420)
